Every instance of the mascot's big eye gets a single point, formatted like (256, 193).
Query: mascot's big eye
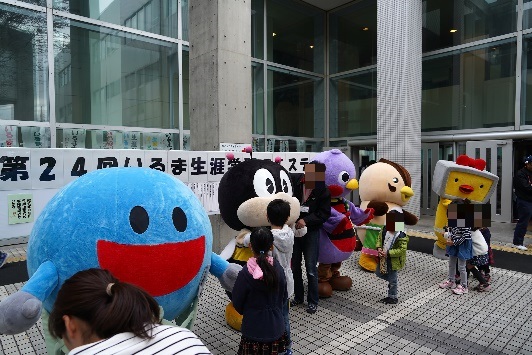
(343, 177)
(455, 180)
(286, 185)
(180, 219)
(263, 183)
(139, 219)
(395, 180)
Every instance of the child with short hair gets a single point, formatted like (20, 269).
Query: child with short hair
(391, 246)
(278, 212)
(259, 294)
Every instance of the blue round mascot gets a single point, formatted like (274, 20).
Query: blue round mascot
(144, 226)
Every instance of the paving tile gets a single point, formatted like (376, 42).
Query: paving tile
(427, 320)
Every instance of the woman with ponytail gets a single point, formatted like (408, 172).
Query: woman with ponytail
(95, 313)
(259, 294)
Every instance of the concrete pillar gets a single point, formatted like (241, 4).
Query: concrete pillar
(220, 73)
(220, 82)
(399, 26)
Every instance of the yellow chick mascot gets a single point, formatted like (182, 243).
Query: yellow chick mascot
(383, 186)
(464, 179)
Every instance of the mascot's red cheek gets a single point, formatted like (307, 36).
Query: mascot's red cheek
(336, 190)
(158, 269)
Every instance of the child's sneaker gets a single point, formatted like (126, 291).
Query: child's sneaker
(447, 284)
(295, 302)
(482, 288)
(459, 290)
(3, 258)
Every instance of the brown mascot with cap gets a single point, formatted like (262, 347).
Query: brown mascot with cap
(383, 186)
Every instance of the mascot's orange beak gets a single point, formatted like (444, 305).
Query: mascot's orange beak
(352, 184)
(406, 193)
(466, 189)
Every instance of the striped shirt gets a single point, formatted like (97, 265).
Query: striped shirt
(459, 234)
(165, 340)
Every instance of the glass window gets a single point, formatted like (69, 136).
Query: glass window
(257, 79)
(353, 37)
(36, 2)
(447, 23)
(156, 16)
(472, 88)
(295, 104)
(293, 145)
(23, 65)
(115, 78)
(257, 29)
(353, 105)
(526, 87)
(295, 35)
(114, 139)
(184, 18)
(186, 81)
(527, 14)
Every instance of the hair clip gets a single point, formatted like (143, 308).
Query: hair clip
(108, 289)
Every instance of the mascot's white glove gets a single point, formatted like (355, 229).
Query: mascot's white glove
(298, 233)
(228, 278)
(242, 239)
(19, 312)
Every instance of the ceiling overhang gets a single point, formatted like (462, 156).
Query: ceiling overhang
(327, 4)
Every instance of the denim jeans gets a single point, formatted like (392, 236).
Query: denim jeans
(524, 211)
(306, 246)
(390, 276)
(286, 316)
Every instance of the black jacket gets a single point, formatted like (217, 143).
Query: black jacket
(523, 184)
(262, 308)
(318, 203)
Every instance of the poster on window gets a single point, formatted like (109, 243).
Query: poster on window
(131, 140)
(8, 136)
(150, 141)
(74, 138)
(284, 145)
(270, 145)
(35, 137)
(166, 141)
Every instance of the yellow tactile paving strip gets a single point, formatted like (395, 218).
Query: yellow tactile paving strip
(494, 245)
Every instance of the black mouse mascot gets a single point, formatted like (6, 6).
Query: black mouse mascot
(243, 196)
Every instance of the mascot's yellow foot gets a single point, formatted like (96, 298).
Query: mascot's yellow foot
(324, 289)
(368, 262)
(232, 317)
(341, 283)
(439, 252)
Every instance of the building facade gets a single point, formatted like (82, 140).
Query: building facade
(117, 74)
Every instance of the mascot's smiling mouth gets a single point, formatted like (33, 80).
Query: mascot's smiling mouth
(158, 269)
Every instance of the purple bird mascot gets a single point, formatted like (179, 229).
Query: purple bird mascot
(337, 239)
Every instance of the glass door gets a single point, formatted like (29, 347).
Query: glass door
(499, 161)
